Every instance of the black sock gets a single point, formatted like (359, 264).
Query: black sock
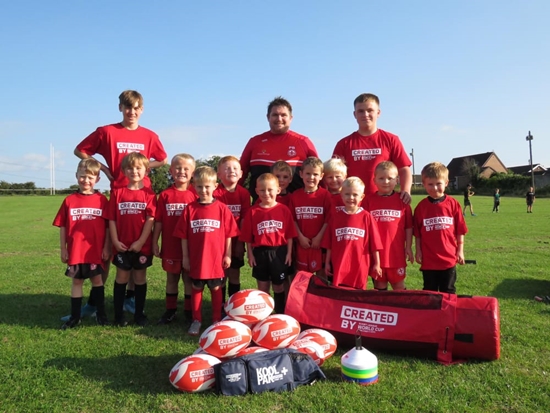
(279, 299)
(91, 298)
(141, 293)
(76, 303)
(233, 288)
(118, 297)
(98, 294)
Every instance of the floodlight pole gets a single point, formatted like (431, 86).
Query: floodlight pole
(529, 138)
(412, 156)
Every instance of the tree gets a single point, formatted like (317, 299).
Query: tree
(160, 178)
(213, 162)
(471, 169)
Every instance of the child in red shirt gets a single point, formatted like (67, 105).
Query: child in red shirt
(268, 230)
(131, 217)
(237, 199)
(352, 240)
(84, 240)
(310, 207)
(394, 222)
(170, 205)
(335, 172)
(439, 229)
(206, 228)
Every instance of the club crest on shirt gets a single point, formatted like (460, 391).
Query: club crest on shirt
(291, 151)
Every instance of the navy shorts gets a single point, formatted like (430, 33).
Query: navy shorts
(130, 260)
(270, 264)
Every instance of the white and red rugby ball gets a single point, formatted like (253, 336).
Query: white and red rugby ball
(311, 348)
(194, 373)
(225, 338)
(249, 306)
(251, 350)
(322, 337)
(276, 331)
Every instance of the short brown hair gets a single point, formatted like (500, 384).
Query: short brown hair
(365, 97)
(133, 158)
(279, 101)
(267, 177)
(90, 166)
(314, 162)
(205, 173)
(129, 98)
(385, 166)
(282, 166)
(435, 170)
(228, 158)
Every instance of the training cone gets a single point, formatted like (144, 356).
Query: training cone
(359, 365)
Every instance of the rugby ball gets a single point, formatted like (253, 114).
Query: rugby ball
(321, 337)
(249, 306)
(225, 338)
(246, 323)
(251, 350)
(311, 348)
(276, 331)
(194, 373)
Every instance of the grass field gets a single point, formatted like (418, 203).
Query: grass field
(95, 369)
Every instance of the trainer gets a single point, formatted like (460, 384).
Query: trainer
(279, 143)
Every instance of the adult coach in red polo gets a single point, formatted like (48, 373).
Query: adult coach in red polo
(368, 146)
(279, 143)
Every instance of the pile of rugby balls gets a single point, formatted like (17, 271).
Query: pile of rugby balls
(248, 320)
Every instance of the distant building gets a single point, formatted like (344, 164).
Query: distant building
(488, 164)
(538, 169)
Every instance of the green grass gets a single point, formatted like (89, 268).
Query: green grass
(94, 369)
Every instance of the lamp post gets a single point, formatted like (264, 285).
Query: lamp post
(529, 138)
(412, 156)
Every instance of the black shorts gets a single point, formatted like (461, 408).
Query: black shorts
(467, 202)
(212, 283)
(83, 271)
(440, 280)
(270, 264)
(131, 260)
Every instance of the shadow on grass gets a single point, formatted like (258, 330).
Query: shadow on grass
(123, 373)
(521, 288)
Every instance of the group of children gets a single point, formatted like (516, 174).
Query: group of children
(199, 228)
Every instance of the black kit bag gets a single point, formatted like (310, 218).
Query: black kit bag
(273, 370)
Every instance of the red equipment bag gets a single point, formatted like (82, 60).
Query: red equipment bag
(419, 323)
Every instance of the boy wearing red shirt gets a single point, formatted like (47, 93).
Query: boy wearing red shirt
(394, 222)
(283, 172)
(335, 173)
(131, 217)
(310, 207)
(368, 146)
(268, 230)
(206, 227)
(439, 230)
(170, 205)
(237, 199)
(352, 240)
(84, 240)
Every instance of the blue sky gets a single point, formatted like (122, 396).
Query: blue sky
(454, 77)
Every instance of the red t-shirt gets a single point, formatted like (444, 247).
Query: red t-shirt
(362, 153)
(114, 142)
(352, 239)
(438, 225)
(85, 220)
(170, 205)
(130, 209)
(268, 227)
(310, 211)
(393, 217)
(237, 201)
(206, 229)
(337, 202)
(264, 150)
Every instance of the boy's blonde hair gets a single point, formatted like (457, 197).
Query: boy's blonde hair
(133, 158)
(282, 166)
(228, 158)
(365, 97)
(267, 177)
(354, 181)
(182, 157)
(313, 162)
(385, 166)
(90, 166)
(129, 98)
(335, 165)
(205, 173)
(435, 170)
